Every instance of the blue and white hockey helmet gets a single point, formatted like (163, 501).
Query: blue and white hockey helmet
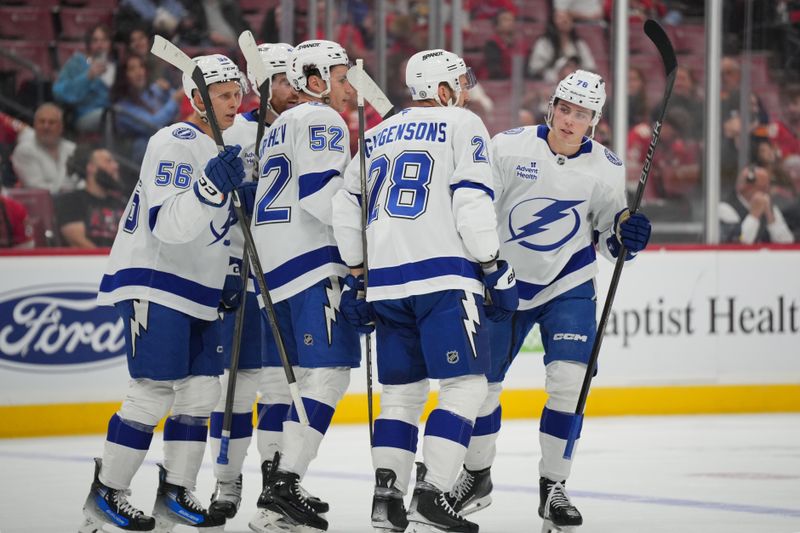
(276, 61)
(216, 68)
(582, 88)
(427, 69)
(319, 54)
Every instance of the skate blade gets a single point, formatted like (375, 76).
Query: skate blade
(90, 525)
(478, 505)
(387, 529)
(266, 521)
(550, 527)
(163, 526)
(423, 527)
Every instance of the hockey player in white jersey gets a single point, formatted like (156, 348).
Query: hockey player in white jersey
(165, 276)
(303, 157)
(432, 252)
(270, 380)
(560, 198)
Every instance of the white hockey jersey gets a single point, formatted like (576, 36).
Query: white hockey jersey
(170, 248)
(551, 209)
(431, 218)
(303, 157)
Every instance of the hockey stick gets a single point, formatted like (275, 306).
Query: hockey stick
(369, 90)
(250, 50)
(362, 156)
(175, 56)
(660, 39)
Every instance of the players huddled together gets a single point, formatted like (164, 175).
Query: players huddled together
(470, 242)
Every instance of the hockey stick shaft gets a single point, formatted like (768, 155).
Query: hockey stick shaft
(660, 39)
(175, 56)
(362, 157)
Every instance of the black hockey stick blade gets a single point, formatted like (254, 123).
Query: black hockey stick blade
(656, 33)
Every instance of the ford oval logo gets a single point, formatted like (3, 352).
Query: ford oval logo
(58, 325)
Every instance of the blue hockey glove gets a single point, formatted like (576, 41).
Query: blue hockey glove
(354, 307)
(631, 230)
(222, 174)
(232, 289)
(503, 298)
(247, 195)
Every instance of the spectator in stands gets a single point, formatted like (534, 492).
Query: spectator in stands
(674, 180)
(559, 40)
(85, 80)
(162, 16)
(685, 96)
(786, 133)
(88, 217)
(639, 10)
(142, 108)
(212, 23)
(502, 46)
(731, 76)
(637, 96)
(15, 227)
(736, 136)
(765, 154)
(489, 9)
(748, 215)
(139, 44)
(791, 167)
(582, 10)
(40, 157)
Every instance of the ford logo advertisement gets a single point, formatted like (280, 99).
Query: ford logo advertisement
(58, 325)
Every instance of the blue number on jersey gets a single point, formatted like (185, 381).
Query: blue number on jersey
(378, 170)
(479, 155)
(318, 141)
(132, 218)
(275, 171)
(167, 173)
(408, 190)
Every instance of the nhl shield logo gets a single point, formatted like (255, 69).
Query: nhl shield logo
(308, 339)
(452, 357)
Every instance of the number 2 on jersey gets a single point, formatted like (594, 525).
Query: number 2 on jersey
(276, 172)
(407, 195)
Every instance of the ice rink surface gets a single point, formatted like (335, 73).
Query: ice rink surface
(704, 474)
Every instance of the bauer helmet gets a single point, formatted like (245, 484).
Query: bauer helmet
(319, 54)
(276, 61)
(427, 69)
(216, 68)
(582, 88)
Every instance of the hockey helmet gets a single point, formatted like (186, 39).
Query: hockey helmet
(319, 54)
(427, 69)
(276, 61)
(582, 88)
(216, 68)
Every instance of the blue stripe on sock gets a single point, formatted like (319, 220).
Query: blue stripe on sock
(174, 430)
(121, 433)
(448, 426)
(271, 416)
(558, 423)
(488, 425)
(395, 434)
(241, 425)
(319, 414)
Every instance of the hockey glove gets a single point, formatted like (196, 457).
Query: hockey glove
(247, 196)
(232, 289)
(503, 298)
(631, 230)
(222, 174)
(354, 307)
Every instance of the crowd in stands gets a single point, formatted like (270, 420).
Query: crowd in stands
(109, 95)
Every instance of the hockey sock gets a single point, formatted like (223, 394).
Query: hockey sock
(270, 428)
(553, 433)
(126, 445)
(184, 444)
(300, 443)
(394, 446)
(482, 447)
(241, 435)
(446, 439)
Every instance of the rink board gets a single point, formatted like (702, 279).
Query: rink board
(692, 331)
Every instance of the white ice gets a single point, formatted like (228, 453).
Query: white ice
(679, 474)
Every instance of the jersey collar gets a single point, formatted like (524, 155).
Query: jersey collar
(586, 144)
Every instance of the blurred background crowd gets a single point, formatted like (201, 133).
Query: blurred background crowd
(80, 95)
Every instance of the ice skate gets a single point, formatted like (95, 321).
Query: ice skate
(319, 506)
(285, 509)
(430, 512)
(556, 509)
(226, 498)
(472, 491)
(105, 505)
(388, 511)
(176, 505)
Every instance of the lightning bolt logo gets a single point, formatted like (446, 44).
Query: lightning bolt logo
(138, 322)
(471, 319)
(333, 292)
(543, 218)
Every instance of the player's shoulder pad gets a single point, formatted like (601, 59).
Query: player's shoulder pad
(315, 113)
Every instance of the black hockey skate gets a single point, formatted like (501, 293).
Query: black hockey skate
(472, 491)
(430, 512)
(285, 507)
(388, 511)
(105, 505)
(319, 506)
(226, 498)
(556, 509)
(176, 505)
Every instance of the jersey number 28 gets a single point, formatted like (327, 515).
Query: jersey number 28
(407, 194)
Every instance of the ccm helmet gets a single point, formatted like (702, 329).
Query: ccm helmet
(319, 54)
(216, 68)
(276, 60)
(427, 69)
